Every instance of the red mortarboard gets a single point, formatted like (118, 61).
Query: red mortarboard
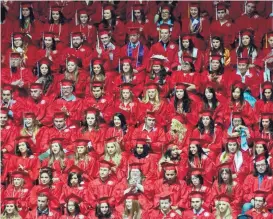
(25, 139)
(165, 195)
(59, 115)
(56, 8)
(141, 141)
(131, 197)
(168, 166)
(82, 11)
(260, 194)
(236, 115)
(157, 61)
(180, 118)
(260, 141)
(137, 7)
(73, 59)
(253, 2)
(266, 115)
(164, 27)
(46, 61)
(19, 174)
(166, 7)
(98, 61)
(133, 30)
(260, 157)
(243, 60)
(97, 84)
(106, 164)
(196, 141)
(226, 165)
(7, 87)
(36, 86)
(196, 194)
(126, 86)
(108, 7)
(74, 198)
(49, 34)
(216, 57)
(10, 200)
(221, 6)
(44, 191)
(233, 139)
(246, 32)
(151, 85)
(4, 110)
(26, 5)
(91, 110)
(103, 200)
(105, 31)
(135, 166)
(196, 171)
(269, 34)
(110, 140)
(76, 34)
(239, 84)
(267, 85)
(15, 55)
(29, 115)
(224, 197)
(170, 145)
(186, 37)
(187, 58)
(150, 114)
(18, 35)
(126, 59)
(74, 169)
(56, 140)
(206, 113)
(195, 4)
(81, 142)
(66, 83)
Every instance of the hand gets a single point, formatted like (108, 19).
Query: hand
(99, 50)
(21, 167)
(21, 83)
(114, 169)
(135, 71)
(174, 207)
(148, 140)
(55, 179)
(111, 56)
(179, 67)
(234, 176)
(127, 190)
(57, 39)
(252, 202)
(15, 83)
(140, 187)
(64, 109)
(4, 150)
(206, 150)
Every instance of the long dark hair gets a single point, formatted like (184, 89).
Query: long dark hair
(53, 44)
(241, 98)
(61, 19)
(220, 70)
(168, 154)
(266, 154)
(185, 100)
(199, 176)
(113, 22)
(29, 151)
(221, 48)
(191, 46)
(85, 126)
(172, 18)
(162, 75)
(221, 181)
(31, 18)
(200, 152)
(48, 77)
(123, 124)
(264, 98)
(143, 17)
(3, 13)
(100, 215)
(214, 100)
(201, 126)
(77, 209)
(251, 46)
(270, 127)
(146, 150)
(49, 173)
(70, 175)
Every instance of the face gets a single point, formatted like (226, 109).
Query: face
(268, 93)
(71, 67)
(59, 123)
(259, 148)
(225, 176)
(193, 149)
(105, 39)
(242, 67)
(194, 12)
(104, 208)
(221, 14)
(18, 42)
(22, 147)
(139, 149)
(55, 15)
(42, 203)
(265, 123)
(44, 69)
(6, 96)
(126, 94)
(165, 14)
(97, 92)
(55, 147)
(186, 43)
(232, 147)
(216, 43)
(10, 208)
(151, 93)
(185, 66)
(74, 180)
(236, 94)
(261, 166)
(237, 122)
(107, 14)
(28, 122)
(90, 119)
(3, 119)
(137, 14)
(44, 178)
(67, 90)
(77, 41)
(215, 65)
(111, 148)
(270, 41)
(208, 94)
(165, 205)
(48, 42)
(165, 35)
(170, 175)
(250, 8)
(174, 152)
(35, 93)
(258, 202)
(245, 40)
(104, 172)
(17, 182)
(156, 68)
(15, 62)
(129, 204)
(117, 121)
(71, 207)
(126, 67)
(206, 120)
(97, 69)
(133, 38)
(83, 18)
(223, 206)
(135, 174)
(81, 149)
(150, 122)
(196, 203)
(195, 180)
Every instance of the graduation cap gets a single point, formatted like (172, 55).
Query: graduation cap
(74, 198)
(196, 171)
(224, 197)
(106, 164)
(4, 110)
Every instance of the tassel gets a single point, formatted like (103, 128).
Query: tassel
(239, 38)
(61, 89)
(43, 43)
(132, 15)
(266, 40)
(210, 39)
(20, 15)
(12, 44)
(188, 10)
(98, 40)
(179, 43)
(261, 92)
(119, 70)
(91, 70)
(10, 65)
(76, 18)
(210, 63)
(245, 6)
(216, 18)
(101, 13)
(38, 70)
(49, 17)
(71, 44)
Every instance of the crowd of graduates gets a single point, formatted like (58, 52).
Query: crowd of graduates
(136, 109)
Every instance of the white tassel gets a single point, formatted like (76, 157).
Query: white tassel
(12, 44)
(132, 14)
(71, 44)
(179, 43)
(76, 18)
(119, 70)
(20, 16)
(216, 18)
(38, 70)
(49, 17)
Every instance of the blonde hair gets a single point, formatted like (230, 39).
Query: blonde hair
(77, 157)
(75, 74)
(228, 214)
(146, 98)
(180, 128)
(52, 157)
(136, 208)
(36, 128)
(117, 156)
(14, 216)
(121, 98)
